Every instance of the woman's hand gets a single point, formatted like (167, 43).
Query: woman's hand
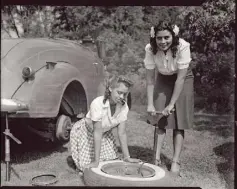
(168, 110)
(132, 160)
(93, 164)
(151, 109)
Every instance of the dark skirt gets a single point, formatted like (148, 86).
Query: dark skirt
(182, 118)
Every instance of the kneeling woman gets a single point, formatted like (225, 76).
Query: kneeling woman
(91, 138)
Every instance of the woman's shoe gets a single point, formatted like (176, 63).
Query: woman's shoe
(157, 162)
(79, 172)
(175, 168)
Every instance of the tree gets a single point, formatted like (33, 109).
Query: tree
(210, 30)
(125, 29)
(27, 21)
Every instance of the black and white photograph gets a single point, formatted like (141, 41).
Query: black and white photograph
(118, 96)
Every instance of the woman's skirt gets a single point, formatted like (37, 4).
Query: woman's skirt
(182, 118)
(82, 145)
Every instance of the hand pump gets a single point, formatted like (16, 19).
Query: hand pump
(8, 135)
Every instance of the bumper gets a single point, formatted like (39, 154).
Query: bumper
(11, 106)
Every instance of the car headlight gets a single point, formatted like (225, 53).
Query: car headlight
(10, 105)
(27, 73)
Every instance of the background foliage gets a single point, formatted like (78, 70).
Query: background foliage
(209, 28)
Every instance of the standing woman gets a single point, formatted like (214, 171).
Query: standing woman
(172, 88)
(91, 138)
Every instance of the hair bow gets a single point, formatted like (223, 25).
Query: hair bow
(176, 30)
(152, 33)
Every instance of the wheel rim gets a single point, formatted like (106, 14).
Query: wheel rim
(128, 169)
(63, 128)
(66, 129)
(159, 172)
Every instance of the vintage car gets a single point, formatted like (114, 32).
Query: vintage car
(47, 84)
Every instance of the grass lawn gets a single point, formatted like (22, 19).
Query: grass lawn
(207, 159)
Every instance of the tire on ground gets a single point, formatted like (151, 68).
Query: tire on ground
(98, 178)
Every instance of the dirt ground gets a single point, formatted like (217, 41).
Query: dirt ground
(207, 159)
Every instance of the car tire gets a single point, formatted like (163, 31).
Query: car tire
(95, 177)
(63, 127)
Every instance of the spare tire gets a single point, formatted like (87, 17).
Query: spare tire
(96, 177)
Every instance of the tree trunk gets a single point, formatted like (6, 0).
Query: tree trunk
(13, 22)
(7, 32)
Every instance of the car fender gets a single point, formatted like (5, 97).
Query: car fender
(44, 94)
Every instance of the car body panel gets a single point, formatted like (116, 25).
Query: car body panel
(44, 92)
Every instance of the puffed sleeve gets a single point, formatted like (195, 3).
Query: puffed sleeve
(184, 56)
(95, 113)
(123, 116)
(149, 58)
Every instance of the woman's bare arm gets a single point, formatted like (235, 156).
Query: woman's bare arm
(123, 139)
(97, 132)
(150, 82)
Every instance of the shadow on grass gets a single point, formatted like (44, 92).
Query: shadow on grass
(216, 125)
(226, 169)
(32, 148)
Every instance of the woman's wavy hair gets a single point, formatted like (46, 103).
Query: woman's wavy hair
(163, 25)
(113, 81)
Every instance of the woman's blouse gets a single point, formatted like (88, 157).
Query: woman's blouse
(100, 111)
(165, 63)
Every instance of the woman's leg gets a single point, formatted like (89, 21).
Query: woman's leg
(160, 135)
(82, 144)
(178, 137)
(108, 147)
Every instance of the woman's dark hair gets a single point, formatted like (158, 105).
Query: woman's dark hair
(163, 25)
(113, 81)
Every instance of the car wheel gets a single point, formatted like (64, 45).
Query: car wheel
(96, 177)
(63, 127)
